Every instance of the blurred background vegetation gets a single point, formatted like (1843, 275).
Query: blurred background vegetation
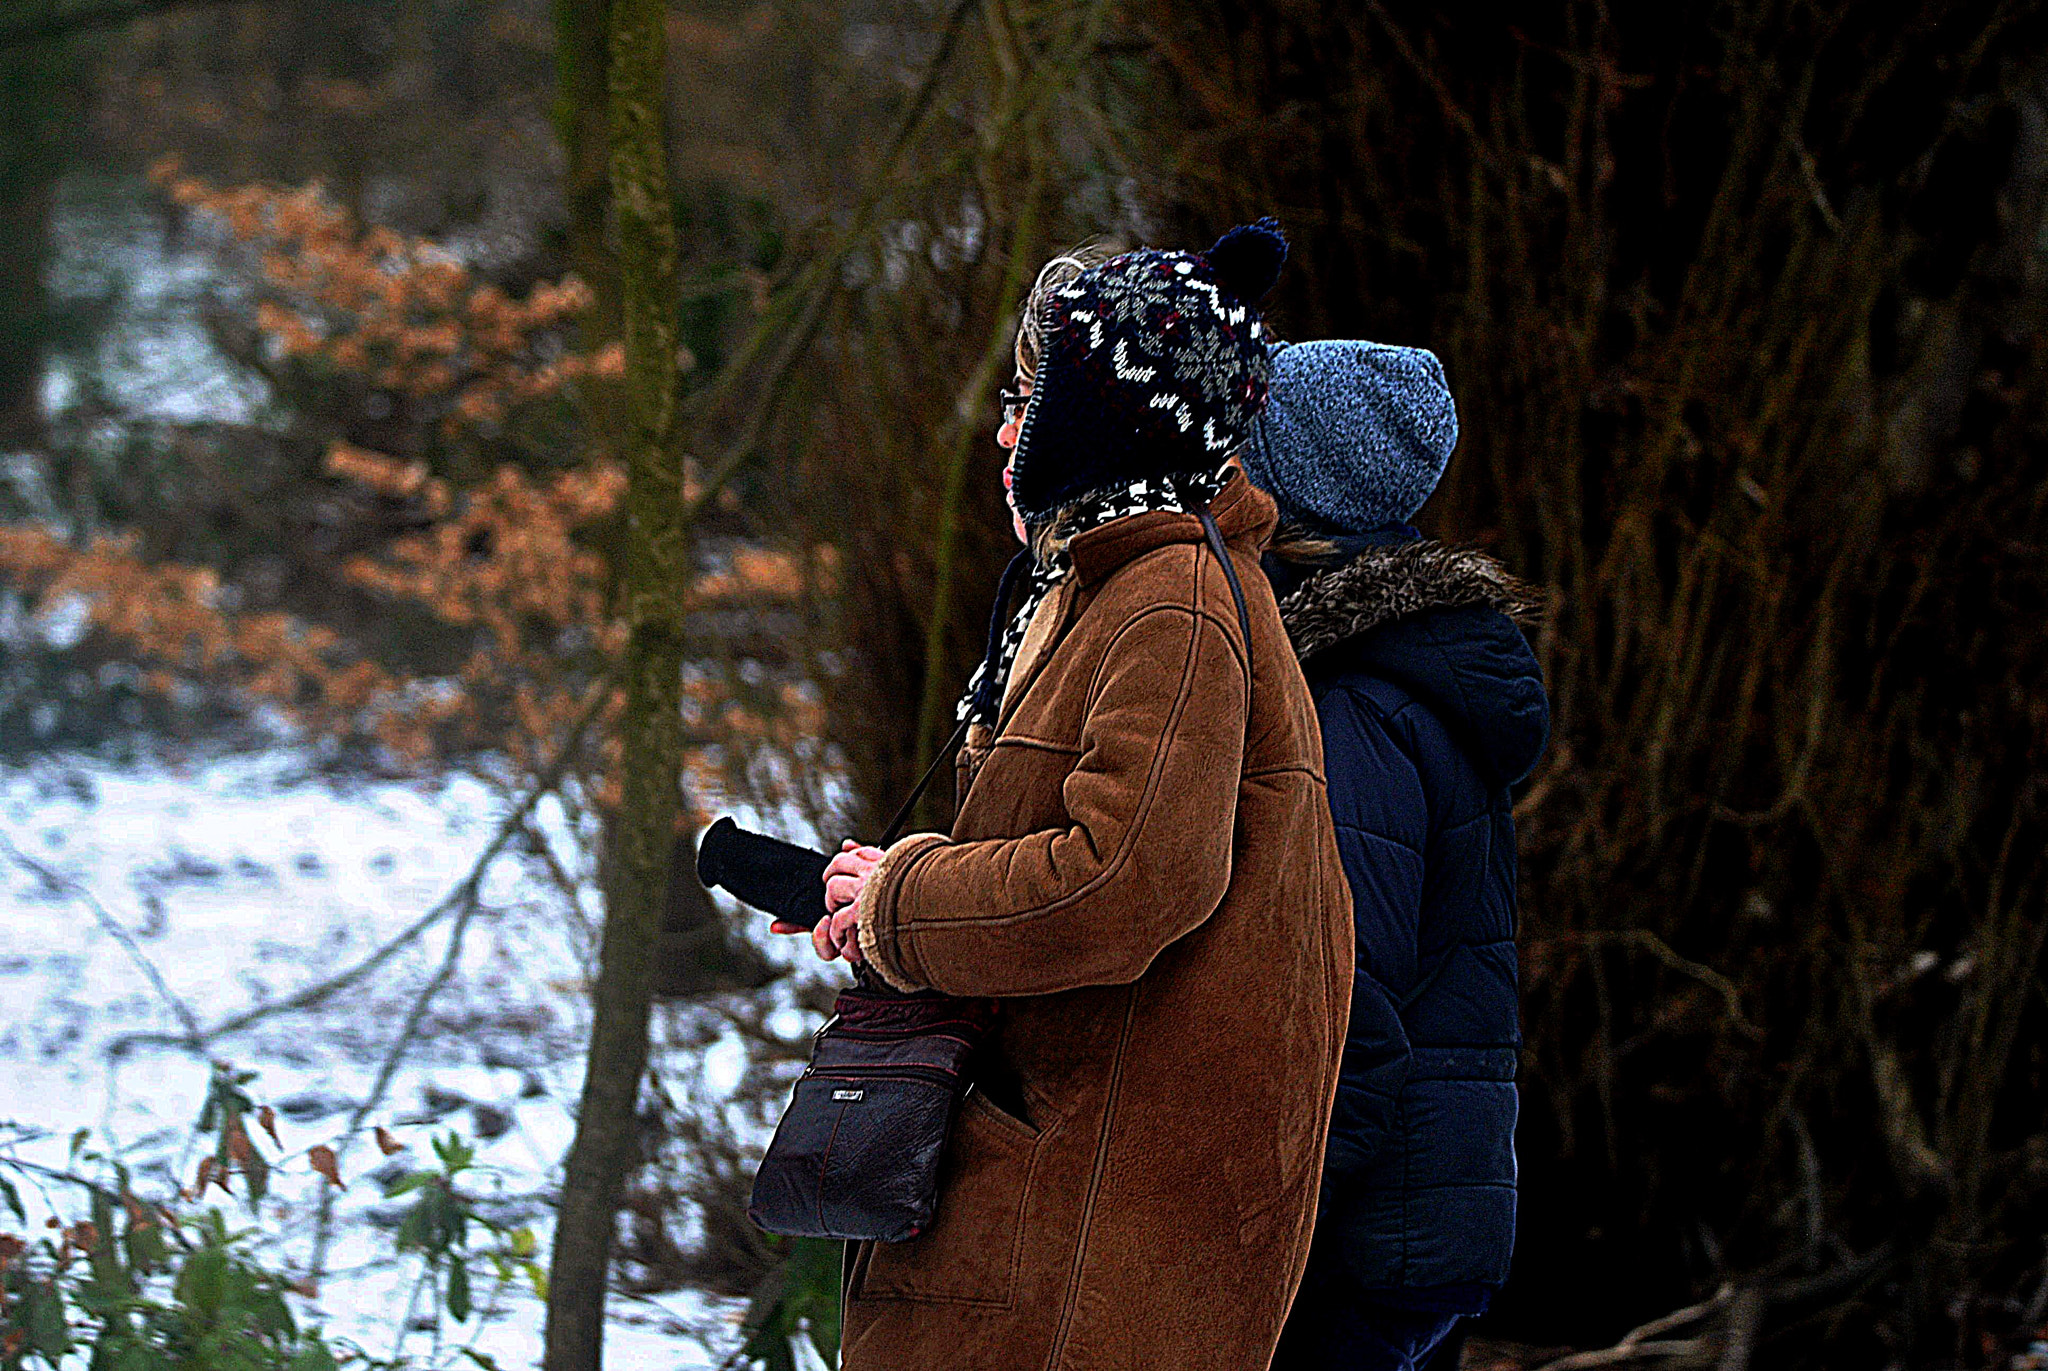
(311, 431)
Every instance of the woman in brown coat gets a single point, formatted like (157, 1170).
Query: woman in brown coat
(1143, 870)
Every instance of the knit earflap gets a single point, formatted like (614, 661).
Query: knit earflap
(1247, 260)
(1153, 365)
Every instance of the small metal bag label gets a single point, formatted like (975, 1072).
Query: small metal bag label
(848, 1094)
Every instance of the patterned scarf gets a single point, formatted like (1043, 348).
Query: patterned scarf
(984, 698)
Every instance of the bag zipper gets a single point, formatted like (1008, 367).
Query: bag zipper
(926, 1074)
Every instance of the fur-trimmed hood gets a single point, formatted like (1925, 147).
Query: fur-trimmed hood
(1439, 622)
(1385, 583)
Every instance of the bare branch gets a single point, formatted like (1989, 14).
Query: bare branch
(57, 880)
(457, 900)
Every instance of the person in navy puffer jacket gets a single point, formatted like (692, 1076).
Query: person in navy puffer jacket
(1432, 706)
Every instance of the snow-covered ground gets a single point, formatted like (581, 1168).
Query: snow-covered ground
(244, 879)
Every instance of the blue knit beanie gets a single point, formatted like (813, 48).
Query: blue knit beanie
(1355, 435)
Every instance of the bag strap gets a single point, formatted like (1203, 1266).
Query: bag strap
(1209, 530)
(895, 829)
(1244, 618)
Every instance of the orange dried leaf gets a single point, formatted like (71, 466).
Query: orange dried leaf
(321, 1158)
(386, 1143)
(240, 1149)
(267, 1117)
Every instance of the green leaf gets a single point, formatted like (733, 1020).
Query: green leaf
(136, 1355)
(455, 1154)
(13, 1198)
(202, 1281)
(106, 1252)
(524, 1244)
(408, 1183)
(146, 1247)
(270, 1313)
(412, 1230)
(458, 1292)
(313, 1356)
(482, 1359)
(256, 1172)
(43, 1321)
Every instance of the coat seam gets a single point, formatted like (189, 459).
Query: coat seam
(1008, 709)
(1283, 769)
(1116, 1082)
(1194, 609)
(1196, 616)
(1128, 843)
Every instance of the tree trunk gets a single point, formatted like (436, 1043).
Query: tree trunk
(582, 59)
(32, 105)
(655, 554)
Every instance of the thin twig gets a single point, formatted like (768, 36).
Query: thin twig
(385, 1071)
(459, 897)
(57, 880)
(812, 290)
(1623, 1352)
(572, 894)
(67, 1177)
(1706, 975)
(1745, 1321)
(467, 908)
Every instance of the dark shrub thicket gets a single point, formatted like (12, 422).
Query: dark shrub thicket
(1743, 304)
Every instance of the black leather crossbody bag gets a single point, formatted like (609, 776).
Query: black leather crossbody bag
(858, 1151)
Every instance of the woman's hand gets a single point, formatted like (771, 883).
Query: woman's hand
(838, 933)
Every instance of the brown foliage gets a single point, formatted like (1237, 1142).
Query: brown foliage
(512, 560)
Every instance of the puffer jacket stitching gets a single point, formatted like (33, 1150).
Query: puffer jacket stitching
(1402, 719)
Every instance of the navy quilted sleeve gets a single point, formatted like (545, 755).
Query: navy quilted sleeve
(1382, 819)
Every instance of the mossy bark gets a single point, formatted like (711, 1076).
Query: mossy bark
(655, 551)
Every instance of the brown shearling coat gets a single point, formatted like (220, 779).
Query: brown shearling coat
(1143, 869)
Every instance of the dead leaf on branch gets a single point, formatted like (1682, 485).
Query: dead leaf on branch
(322, 1159)
(210, 1172)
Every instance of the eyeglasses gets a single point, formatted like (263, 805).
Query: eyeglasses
(1013, 402)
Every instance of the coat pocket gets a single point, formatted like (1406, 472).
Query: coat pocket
(970, 1253)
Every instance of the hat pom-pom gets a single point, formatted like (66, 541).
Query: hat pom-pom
(1247, 259)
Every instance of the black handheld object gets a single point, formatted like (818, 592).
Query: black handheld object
(778, 877)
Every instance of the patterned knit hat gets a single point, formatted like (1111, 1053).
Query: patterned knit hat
(1153, 365)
